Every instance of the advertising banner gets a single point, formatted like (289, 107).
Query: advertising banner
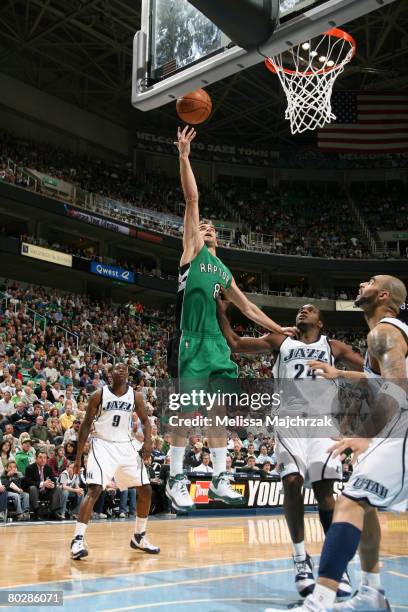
(258, 493)
(37, 252)
(119, 274)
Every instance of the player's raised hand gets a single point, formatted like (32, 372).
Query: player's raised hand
(344, 446)
(184, 140)
(325, 370)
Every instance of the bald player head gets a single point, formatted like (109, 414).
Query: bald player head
(382, 290)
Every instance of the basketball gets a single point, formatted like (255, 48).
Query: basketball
(195, 107)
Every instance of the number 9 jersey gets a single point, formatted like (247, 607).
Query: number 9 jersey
(114, 454)
(113, 420)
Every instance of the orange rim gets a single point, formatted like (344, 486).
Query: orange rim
(335, 33)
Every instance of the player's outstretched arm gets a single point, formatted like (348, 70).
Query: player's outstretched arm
(328, 371)
(245, 344)
(192, 241)
(252, 312)
(344, 352)
(85, 428)
(141, 412)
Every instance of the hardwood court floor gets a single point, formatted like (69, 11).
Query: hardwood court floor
(219, 563)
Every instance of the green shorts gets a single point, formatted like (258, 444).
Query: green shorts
(204, 364)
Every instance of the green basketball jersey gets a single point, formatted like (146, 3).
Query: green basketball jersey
(200, 282)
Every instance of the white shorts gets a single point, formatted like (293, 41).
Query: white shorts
(307, 457)
(118, 460)
(380, 476)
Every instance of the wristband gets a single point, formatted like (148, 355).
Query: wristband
(394, 391)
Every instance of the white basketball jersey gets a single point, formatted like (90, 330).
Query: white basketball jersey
(299, 386)
(294, 356)
(396, 323)
(113, 421)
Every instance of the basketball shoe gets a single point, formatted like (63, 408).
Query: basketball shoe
(365, 599)
(177, 492)
(220, 489)
(140, 542)
(309, 605)
(78, 549)
(304, 578)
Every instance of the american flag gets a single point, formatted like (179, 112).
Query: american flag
(367, 122)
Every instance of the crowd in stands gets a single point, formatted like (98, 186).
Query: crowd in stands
(299, 220)
(154, 191)
(250, 284)
(383, 206)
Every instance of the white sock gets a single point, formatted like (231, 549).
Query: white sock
(325, 596)
(219, 460)
(370, 579)
(80, 529)
(140, 525)
(176, 460)
(299, 551)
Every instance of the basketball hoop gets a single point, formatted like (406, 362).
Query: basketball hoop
(307, 73)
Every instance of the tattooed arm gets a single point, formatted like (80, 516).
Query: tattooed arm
(387, 348)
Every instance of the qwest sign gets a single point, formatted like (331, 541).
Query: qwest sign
(120, 274)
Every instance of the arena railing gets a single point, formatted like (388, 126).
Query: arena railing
(376, 248)
(97, 349)
(20, 172)
(51, 325)
(37, 317)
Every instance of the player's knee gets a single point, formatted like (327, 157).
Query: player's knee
(292, 484)
(324, 497)
(94, 491)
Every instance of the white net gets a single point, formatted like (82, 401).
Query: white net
(307, 73)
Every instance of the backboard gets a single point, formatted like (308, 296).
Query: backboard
(178, 49)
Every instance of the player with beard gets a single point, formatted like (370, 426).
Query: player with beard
(302, 458)
(198, 355)
(379, 478)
